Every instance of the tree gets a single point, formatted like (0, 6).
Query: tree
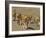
(19, 18)
(14, 15)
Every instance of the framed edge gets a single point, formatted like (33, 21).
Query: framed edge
(7, 16)
(43, 18)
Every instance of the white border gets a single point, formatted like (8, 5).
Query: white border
(25, 32)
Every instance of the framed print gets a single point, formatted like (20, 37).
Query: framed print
(24, 18)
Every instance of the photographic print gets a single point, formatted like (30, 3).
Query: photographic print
(25, 18)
